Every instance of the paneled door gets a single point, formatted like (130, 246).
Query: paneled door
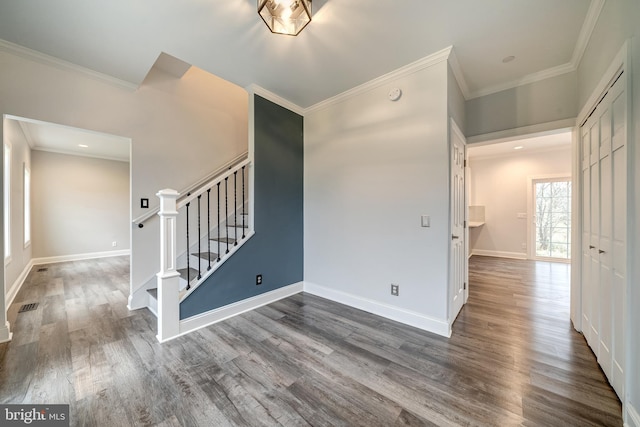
(604, 171)
(458, 256)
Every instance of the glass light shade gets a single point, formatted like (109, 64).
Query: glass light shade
(285, 16)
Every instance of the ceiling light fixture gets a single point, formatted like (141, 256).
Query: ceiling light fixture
(285, 16)
(83, 146)
(508, 58)
(519, 147)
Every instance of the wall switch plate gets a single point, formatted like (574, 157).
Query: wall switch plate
(521, 215)
(259, 279)
(425, 221)
(144, 203)
(114, 244)
(395, 290)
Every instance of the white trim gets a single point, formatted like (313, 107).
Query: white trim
(210, 317)
(79, 257)
(528, 79)
(408, 69)
(79, 154)
(618, 62)
(277, 99)
(45, 59)
(5, 334)
(499, 254)
(633, 417)
(541, 129)
(458, 74)
(407, 317)
(17, 284)
(588, 26)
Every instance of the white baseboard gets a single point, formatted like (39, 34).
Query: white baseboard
(17, 285)
(499, 254)
(5, 334)
(214, 316)
(437, 326)
(633, 418)
(79, 257)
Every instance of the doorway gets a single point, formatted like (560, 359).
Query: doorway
(70, 196)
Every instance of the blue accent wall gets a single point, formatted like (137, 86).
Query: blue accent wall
(276, 249)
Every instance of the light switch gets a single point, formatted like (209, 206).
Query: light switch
(426, 220)
(521, 215)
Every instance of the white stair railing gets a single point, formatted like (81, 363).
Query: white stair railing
(182, 220)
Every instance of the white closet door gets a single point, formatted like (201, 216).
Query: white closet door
(619, 232)
(604, 215)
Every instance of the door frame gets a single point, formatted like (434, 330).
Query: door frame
(531, 228)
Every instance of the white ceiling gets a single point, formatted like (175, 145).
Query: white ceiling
(528, 145)
(77, 142)
(348, 43)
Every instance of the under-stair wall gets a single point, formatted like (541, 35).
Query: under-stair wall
(276, 249)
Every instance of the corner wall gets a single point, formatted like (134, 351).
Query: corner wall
(372, 168)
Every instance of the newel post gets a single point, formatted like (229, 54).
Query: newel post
(168, 277)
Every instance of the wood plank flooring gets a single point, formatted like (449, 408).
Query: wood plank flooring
(513, 359)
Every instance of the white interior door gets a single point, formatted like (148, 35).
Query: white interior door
(458, 256)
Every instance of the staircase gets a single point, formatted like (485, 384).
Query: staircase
(199, 231)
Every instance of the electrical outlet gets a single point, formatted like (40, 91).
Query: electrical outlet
(114, 244)
(259, 279)
(395, 290)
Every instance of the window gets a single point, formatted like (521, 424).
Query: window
(7, 202)
(552, 201)
(27, 206)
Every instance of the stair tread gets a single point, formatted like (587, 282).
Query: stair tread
(224, 239)
(205, 255)
(193, 273)
(238, 225)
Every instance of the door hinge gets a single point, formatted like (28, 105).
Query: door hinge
(465, 163)
(465, 286)
(464, 224)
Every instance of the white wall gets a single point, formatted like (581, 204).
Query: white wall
(545, 101)
(181, 129)
(500, 184)
(618, 22)
(20, 155)
(80, 205)
(372, 167)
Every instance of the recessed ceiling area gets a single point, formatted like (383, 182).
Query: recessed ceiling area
(521, 146)
(54, 138)
(347, 43)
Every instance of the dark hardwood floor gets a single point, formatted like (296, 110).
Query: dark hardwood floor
(513, 359)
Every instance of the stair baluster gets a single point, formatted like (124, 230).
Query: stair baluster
(226, 212)
(199, 238)
(243, 202)
(209, 228)
(218, 222)
(188, 269)
(235, 207)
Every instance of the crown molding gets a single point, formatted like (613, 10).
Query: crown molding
(458, 74)
(408, 69)
(528, 79)
(589, 24)
(78, 154)
(277, 99)
(45, 59)
(590, 21)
